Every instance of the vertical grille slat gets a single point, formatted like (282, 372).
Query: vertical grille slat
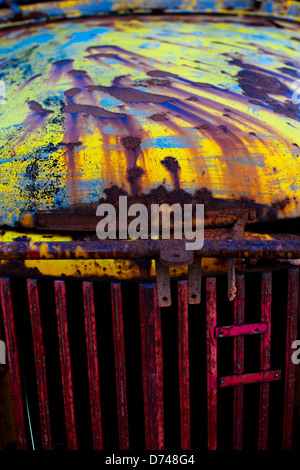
(14, 365)
(1, 440)
(93, 366)
(152, 367)
(265, 362)
(239, 349)
(65, 363)
(211, 351)
(184, 365)
(120, 365)
(40, 362)
(291, 336)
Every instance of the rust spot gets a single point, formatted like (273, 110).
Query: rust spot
(144, 267)
(156, 82)
(203, 196)
(247, 202)
(131, 95)
(192, 98)
(91, 110)
(171, 164)
(37, 108)
(255, 102)
(134, 173)
(157, 195)
(161, 73)
(17, 267)
(112, 195)
(131, 142)
(281, 204)
(218, 211)
(238, 230)
(224, 129)
(62, 62)
(158, 117)
(173, 167)
(100, 55)
(72, 92)
(258, 86)
(289, 71)
(70, 145)
(77, 73)
(203, 84)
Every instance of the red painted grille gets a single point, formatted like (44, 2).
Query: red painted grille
(99, 365)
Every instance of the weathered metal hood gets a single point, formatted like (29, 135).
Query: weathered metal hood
(162, 108)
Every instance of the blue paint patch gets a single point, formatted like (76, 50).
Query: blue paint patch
(206, 5)
(267, 7)
(39, 39)
(83, 147)
(7, 160)
(150, 45)
(263, 59)
(238, 4)
(105, 7)
(85, 36)
(109, 130)
(257, 160)
(112, 61)
(110, 101)
(167, 142)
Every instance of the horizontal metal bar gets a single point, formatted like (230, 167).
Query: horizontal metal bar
(239, 330)
(142, 249)
(256, 377)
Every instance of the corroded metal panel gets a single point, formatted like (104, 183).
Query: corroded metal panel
(161, 108)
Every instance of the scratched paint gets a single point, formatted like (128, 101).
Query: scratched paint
(103, 102)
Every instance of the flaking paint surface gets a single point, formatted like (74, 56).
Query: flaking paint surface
(97, 103)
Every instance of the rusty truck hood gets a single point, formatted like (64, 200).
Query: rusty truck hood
(164, 108)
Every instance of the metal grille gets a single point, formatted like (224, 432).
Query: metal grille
(173, 380)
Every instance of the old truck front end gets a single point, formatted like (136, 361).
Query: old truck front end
(138, 344)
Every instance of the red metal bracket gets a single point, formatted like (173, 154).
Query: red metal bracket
(240, 330)
(256, 377)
